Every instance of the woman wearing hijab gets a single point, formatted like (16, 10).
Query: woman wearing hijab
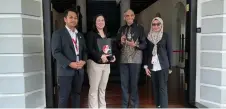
(158, 61)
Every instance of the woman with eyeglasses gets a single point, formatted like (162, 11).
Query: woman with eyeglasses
(158, 60)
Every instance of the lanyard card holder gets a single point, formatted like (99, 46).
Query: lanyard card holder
(77, 58)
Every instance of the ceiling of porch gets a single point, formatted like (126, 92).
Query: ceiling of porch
(136, 5)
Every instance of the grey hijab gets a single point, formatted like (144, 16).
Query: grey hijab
(155, 37)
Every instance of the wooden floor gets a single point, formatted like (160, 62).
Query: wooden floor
(113, 98)
(113, 93)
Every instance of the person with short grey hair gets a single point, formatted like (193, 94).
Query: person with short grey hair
(131, 41)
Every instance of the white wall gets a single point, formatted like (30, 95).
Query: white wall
(168, 10)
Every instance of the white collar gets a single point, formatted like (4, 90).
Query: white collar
(76, 31)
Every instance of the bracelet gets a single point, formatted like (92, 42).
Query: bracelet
(145, 66)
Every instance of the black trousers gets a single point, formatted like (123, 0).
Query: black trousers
(70, 85)
(129, 74)
(159, 80)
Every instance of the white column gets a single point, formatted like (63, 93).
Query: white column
(124, 5)
(82, 4)
(22, 73)
(211, 55)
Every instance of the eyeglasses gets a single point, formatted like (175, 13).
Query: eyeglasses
(156, 24)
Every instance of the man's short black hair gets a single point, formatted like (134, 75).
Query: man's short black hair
(70, 10)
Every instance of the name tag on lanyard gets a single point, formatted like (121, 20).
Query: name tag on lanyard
(76, 45)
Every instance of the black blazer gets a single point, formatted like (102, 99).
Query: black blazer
(92, 47)
(64, 53)
(164, 52)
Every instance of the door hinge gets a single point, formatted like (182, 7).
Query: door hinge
(185, 86)
(54, 90)
(186, 55)
(187, 7)
(51, 7)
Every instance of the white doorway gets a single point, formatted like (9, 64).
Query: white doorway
(179, 49)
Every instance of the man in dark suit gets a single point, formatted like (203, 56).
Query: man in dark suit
(69, 50)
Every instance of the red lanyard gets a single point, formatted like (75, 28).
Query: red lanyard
(75, 43)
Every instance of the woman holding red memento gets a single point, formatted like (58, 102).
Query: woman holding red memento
(98, 65)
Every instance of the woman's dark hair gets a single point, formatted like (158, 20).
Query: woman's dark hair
(94, 29)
